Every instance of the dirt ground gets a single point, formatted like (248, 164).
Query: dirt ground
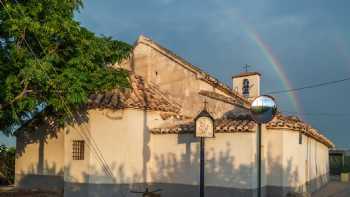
(10, 191)
(332, 189)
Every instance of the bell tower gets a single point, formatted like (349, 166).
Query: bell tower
(247, 84)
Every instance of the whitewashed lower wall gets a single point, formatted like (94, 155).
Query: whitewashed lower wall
(230, 160)
(121, 152)
(117, 147)
(40, 159)
(303, 167)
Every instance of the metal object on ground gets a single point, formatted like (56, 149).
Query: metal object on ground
(148, 193)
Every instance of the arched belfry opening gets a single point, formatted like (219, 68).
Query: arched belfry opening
(247, 84)
(245, 87)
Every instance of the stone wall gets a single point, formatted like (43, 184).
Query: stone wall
(181, 81)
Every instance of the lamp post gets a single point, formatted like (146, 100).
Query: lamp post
(262, 110)
(204, 129)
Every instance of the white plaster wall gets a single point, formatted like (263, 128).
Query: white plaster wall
(291, 164)
(76, 171)
(39, 153)
(119, 141)
(273, 146)
(119, 149)
(116, 147)
(174, 159)
(293, 159)
(230, 160)
(318, 163)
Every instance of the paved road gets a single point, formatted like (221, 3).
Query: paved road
(334, 189)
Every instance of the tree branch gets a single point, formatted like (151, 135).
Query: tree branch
(19, 96)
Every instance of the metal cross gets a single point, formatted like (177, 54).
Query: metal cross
(205, 103)
(246, 66)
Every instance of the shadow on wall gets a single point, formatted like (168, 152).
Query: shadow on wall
(222, 173)
(220, 168)
(170, 169)
(50, 178)
(40, 129)
(106, 175)
(281, 175)
(64, 181)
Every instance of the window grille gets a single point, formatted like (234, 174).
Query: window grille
(78, 149)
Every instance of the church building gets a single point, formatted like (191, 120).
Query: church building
(143, 137)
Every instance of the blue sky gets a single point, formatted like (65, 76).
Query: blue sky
(311, 39)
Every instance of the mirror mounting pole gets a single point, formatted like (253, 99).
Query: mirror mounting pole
(259, 159)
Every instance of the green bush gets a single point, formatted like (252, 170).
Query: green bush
(346, 167)
(7, 164)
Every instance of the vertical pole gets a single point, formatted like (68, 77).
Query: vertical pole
(259, 159)
(201, 186)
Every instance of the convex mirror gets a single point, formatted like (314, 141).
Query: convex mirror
(263, 109)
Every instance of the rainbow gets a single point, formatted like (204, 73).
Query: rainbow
(277, 66)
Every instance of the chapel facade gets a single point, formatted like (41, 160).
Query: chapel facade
(141, 138)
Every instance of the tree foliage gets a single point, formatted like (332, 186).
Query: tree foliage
(48, 57)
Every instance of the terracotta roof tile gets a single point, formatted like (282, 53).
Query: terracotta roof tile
(141, 96)
(244, 123)
(244, 74)
(295, 124)
(223, 125)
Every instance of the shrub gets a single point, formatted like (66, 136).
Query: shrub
(7, 165)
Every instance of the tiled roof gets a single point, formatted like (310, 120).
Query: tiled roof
(140, 96)
(295, 124)
(244, 123)
(200, 73)
(223, 125)
(244, 74)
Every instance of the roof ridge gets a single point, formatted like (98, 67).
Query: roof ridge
(200, 73)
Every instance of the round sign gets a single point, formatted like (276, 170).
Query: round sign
(263, 109)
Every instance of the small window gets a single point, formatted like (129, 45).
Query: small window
(78, 149)
(245, 88)
(300, 138)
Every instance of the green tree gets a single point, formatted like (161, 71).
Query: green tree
(48, 57)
